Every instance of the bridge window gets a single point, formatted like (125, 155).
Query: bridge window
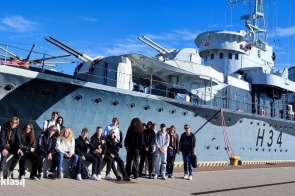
(237, 56)
(221, 55)
(230, 55)
(212, 56)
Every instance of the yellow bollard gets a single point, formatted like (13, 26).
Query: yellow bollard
(234, 160)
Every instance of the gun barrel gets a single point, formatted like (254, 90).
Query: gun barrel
(153, 46)
(72, 52)
(162, 48)
(12, 54)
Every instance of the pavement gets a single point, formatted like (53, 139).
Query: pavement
(257, 181)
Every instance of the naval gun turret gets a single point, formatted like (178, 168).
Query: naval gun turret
(185, 54)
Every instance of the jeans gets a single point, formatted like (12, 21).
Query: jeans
(74, 158)
(132, 155)
(161, 157)
(186, 155)
(146, 155)
(170, 163)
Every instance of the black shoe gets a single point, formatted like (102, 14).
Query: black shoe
(140, 175)
(51, 176)
(39, 176)
(118, 178)
(58, 175)
(126, 178)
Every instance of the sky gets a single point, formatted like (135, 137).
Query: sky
(107, 28)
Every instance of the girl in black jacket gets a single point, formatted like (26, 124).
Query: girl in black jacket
(99, 143)
(173, 148)
(27, 136)
(133, 143)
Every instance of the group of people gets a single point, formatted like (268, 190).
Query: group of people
(144, 145)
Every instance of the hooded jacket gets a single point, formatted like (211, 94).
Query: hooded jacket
(98, 142)
(134, 139)
(43, 144)
(25, 141)
(112, 146)
(15, 137)
(81, 147)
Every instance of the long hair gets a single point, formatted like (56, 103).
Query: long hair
(138, 127)
(31, 134)
(175, 133)
(71, 135)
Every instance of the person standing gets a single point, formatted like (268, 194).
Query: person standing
(133, 142)
(162, 142)
(187, 145)
(65, 147)
(52, 121)
(82, 144)
(27, 136)
(173, 149)
(60, 121)
(10, 143)
(112, 127)
(147, 151)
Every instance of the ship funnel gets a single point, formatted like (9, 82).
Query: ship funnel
(75, 53)
(154, 45)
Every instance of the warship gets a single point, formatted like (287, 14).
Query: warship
(228, 91)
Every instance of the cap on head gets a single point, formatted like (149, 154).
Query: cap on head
(163, 125)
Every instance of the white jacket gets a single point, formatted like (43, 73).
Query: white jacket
(162, 140)
(65, 146)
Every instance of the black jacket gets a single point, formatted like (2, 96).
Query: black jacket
(134, 139)
(82, 147)
(15, 137)
(176, 143)
(43, 145)
(98, 142)
(25, 141)
(149, 139)
(112, 146)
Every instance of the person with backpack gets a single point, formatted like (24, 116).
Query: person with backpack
(65, 147)
(60, 122)
(10, 144)
(46, 149)
(187, 147)
(162, 141)
(99, 151)
(112, 150)
(27, 136)
(112, 127)
(133, 142)
(147, 150)
(82, 144)
(52, 121)
(173, 149)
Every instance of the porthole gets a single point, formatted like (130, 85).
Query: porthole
(77, 97)
(258, 124)
(269, 150)
(285, 127)
(263, 149)
(159, 109)
(242, 148)
(207, 147)
(275, 126)
(256, 149)
(146, 107)
(97, 100)
(286, 150)
(115, 103)
(215, 118)
(228, 120)
(131, 105)
(241, 121)
(206, 116)
(195, 115)
(264, 124)
(225, 148)
(275, 150)
(281, 127)
(172, 112)
(184, 113)
(251, 122)
(8, 87)
(45, 93)
(217, 147)
(250, 149)
(281, 150)
(290, 128)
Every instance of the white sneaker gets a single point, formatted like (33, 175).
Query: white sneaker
(185, 176)
(10, 174)
(22, 177)
(98, 177)
(94, 177)
(1, 174)
(79, 177)
(190, 177)
(156, 176)
(109, 177)
(33, 178)
(164, 177)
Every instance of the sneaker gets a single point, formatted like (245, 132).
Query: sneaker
(79, 177)
(93, 177)
(126, 178)
(156, 176)
(59, 175)
(98, 177)
(140, 175)
(185, 176)
(51, 176)
(39, 176)
(171, 176)
(118, 178)
(22, 177)
(190, 177)
(164, 177)
(108, 177)
(151, 176)
(1, 174)
(146, 173)
(34, 178)
(10, 174)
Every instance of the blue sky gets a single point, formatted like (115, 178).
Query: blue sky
(111, 27)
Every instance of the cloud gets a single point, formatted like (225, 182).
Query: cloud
(18, 23)
(89, 19)
(125, 48)
(285, 31)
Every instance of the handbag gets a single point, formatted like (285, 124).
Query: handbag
(170, 152)
(194, 160)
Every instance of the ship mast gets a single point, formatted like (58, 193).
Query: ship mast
(254, 27)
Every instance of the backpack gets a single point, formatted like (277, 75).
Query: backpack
(84, 172)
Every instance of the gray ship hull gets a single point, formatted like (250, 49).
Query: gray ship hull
(32, 96)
